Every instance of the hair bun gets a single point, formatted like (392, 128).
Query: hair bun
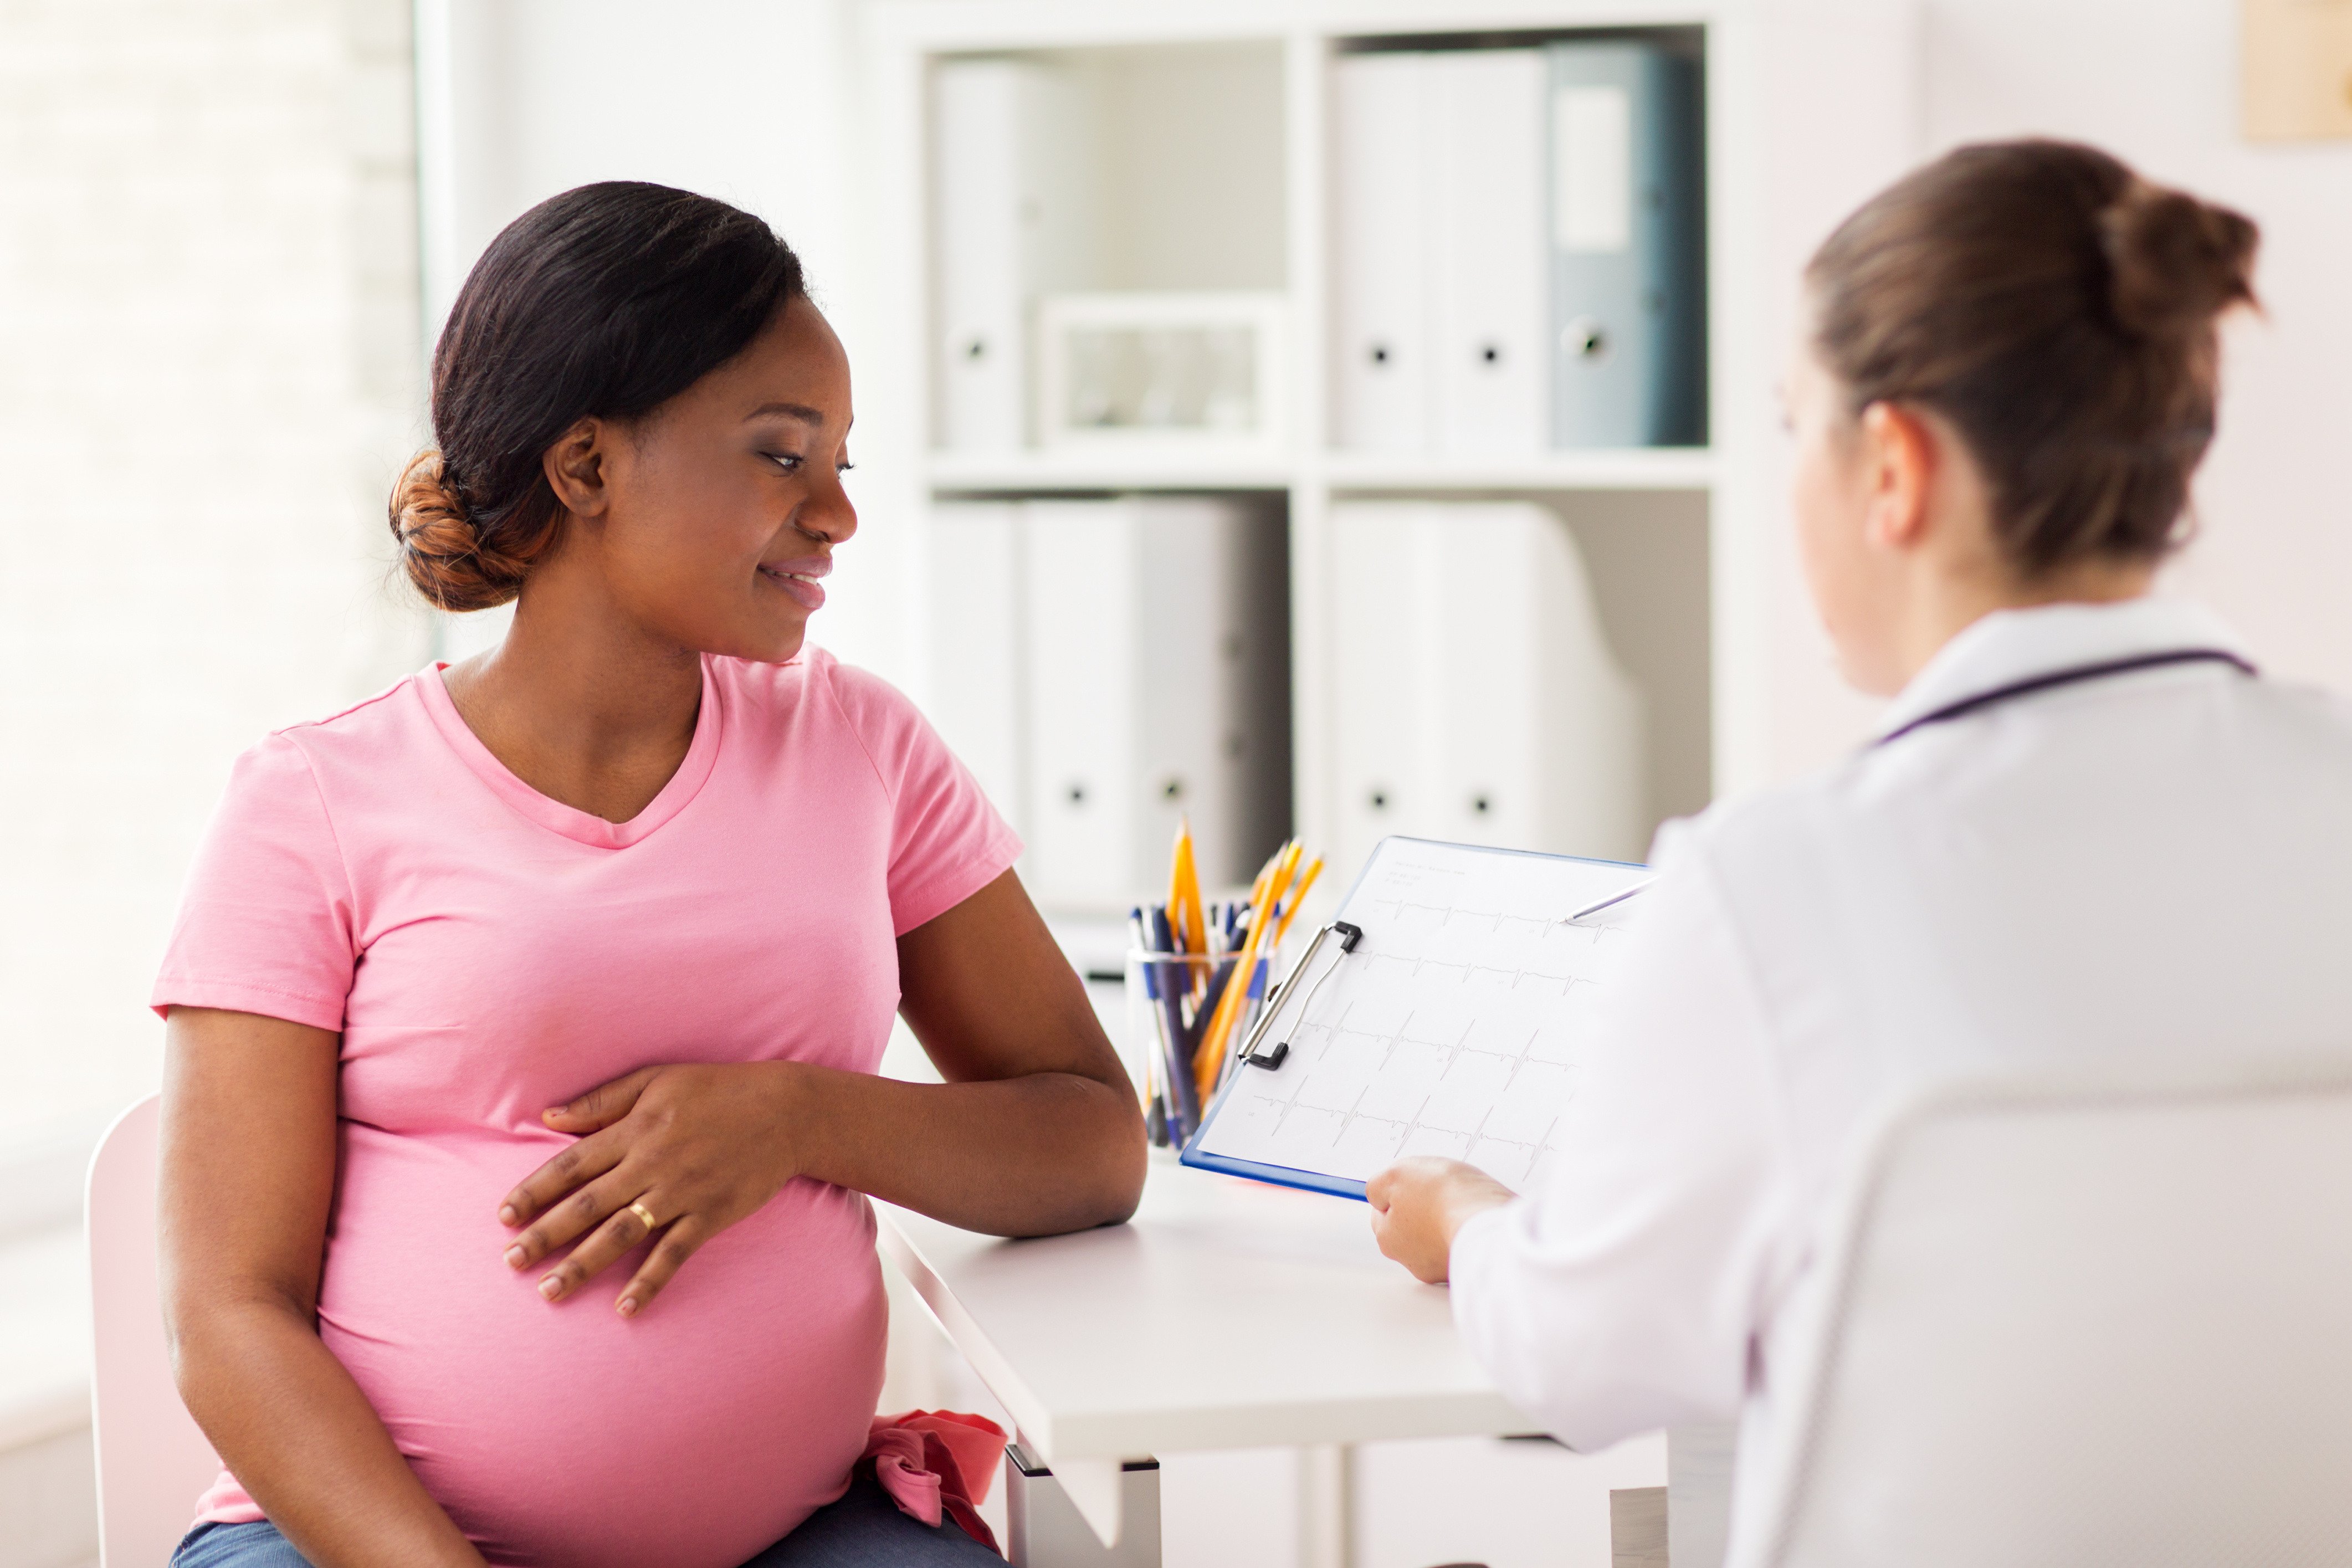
(440, 548)
(2175, 263)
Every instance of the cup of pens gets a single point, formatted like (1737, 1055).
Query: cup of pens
(1197, 977)
(1173, 1000)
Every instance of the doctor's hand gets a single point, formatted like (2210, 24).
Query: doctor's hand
(697, 1148)
(1419, 1205)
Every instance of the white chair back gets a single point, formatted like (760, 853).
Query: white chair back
(152, 1461)
(2082, 1324)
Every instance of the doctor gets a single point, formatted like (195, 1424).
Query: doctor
(2087, 831)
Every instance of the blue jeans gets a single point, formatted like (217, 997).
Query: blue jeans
(864, 1530)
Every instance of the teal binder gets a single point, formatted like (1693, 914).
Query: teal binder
(1627, 243)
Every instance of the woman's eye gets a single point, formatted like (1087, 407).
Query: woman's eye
(844, 466)
(788, 461)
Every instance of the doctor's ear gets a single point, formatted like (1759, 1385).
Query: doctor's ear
(1900, 452)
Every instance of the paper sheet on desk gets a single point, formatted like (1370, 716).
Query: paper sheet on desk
(1455, 1029)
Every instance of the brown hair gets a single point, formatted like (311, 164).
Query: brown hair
(2059, 311)
(605, 301)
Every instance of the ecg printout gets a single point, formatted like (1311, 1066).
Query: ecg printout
(1455, 1029)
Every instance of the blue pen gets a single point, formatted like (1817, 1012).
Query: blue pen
(1184, 1099)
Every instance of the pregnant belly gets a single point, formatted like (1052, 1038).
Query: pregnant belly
(692, 1436)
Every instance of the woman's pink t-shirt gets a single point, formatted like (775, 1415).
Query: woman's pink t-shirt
(487, 952)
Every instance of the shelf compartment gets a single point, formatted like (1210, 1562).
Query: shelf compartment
(1049, 473)
(1627, 468)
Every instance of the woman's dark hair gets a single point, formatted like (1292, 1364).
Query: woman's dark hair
(2060, 312)
(605, 301)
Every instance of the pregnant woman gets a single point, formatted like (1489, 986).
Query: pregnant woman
(520, 1092)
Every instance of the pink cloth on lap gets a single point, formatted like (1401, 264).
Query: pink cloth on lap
(938, 1464)
(486, 953)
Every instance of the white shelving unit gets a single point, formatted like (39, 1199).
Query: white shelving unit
(1810, 105)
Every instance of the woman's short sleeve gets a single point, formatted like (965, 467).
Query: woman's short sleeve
(266, 922)
(947, 842)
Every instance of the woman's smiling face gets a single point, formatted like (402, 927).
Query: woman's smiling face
(722, 507)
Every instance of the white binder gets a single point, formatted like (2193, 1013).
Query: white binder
(1010, 199)
(1476, 698)
(1487, 139)
(1540, 735)
(1382, 385)
(1084, 685)
(1157, 665)
(1385, 674)
(977, 695)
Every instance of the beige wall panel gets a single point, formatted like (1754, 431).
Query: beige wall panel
(2298, 69)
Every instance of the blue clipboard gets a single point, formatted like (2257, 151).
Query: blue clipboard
(1199, 1158)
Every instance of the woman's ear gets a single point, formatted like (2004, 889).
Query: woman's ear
(1900, 454)
(575, 468)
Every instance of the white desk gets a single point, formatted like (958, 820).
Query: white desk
(1226, 1314)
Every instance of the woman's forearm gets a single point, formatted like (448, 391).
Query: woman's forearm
(303, 1441)
(1036, 1129)
(1032, 1155)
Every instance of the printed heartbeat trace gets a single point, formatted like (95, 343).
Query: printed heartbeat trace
(1455, 1028)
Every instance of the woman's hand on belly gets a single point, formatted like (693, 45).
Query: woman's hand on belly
(1035, 1130)
(697, 1148)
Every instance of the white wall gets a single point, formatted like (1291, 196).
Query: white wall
(207, 374)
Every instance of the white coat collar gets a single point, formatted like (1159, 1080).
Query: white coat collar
(2011, 646)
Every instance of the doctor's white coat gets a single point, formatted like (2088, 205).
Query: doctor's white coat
(2149, 866)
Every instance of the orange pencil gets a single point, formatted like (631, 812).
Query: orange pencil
(1196, 920)
(1208, 1064)
(1297, 898)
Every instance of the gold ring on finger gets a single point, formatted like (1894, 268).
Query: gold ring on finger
(645, 1214)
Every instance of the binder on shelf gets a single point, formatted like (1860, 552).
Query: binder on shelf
(1156, 686)
(977, 695)
(1627, 246)
(1540, 738)
(1385, 676)
(1382, 382)
(1485, 708)
(1083, 602)
(1011, 205)
(1486, 173)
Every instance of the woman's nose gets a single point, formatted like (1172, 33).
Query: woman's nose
(827, 514)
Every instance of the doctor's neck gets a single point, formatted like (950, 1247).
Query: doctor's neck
(1930, 560)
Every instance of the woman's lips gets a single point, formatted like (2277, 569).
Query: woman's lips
(799, 578)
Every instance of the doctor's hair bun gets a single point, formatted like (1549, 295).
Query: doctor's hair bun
(2059, 311)
(2175, 262)
(602, 304)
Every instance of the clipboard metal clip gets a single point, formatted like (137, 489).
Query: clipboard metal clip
(1255, 1052)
